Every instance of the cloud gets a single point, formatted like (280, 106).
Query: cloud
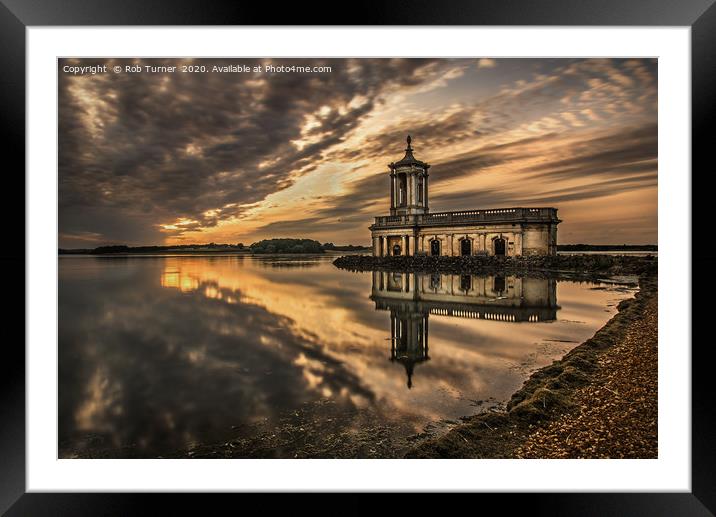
(177, 146)
(486, 62)
(149, 157)
(181, 366)
(619, 161)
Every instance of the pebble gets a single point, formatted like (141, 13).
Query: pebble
(623, 394)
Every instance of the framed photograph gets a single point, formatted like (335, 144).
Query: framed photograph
(414, 253)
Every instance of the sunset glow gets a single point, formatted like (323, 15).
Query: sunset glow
(168, 158)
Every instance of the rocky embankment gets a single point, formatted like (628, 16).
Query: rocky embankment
(602, 265)
(589, 265)
(599, 401)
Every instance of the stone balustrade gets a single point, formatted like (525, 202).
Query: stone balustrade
(497, 215)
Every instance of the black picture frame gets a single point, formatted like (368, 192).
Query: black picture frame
(17, 15)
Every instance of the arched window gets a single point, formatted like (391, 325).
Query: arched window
(435, 247)
(499, 244)
(395, 282)
(498, 286)
(435, 281)
(420, 189)
(466, 246)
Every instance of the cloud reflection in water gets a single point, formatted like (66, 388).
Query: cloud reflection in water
(160, 353)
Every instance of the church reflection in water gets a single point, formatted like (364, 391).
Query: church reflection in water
(411, 298)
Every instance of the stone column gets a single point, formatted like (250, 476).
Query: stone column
(518, 244)
(416, 197)
(411, 246)
(425, 334)
(425, 194)
(404, 247)
(393, 337)
(376, 251)
(392, 190)
(396, 191)
(449, 240)
(482, 242)
(410, 185)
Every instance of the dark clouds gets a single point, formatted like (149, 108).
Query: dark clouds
(144, 157)
(141, 147)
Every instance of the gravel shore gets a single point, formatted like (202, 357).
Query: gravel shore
(616, 413)
(599, 401)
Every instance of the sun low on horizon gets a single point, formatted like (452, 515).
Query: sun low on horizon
(239, 150)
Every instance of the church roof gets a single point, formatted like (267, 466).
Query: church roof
(409, 159)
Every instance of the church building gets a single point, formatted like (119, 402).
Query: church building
(411, 229)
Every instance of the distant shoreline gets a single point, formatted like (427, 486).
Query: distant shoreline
(230, 248)
(607, 247)
(204, 249)
(202, 253)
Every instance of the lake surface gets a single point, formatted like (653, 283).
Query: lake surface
(165, 353)
(615, 253)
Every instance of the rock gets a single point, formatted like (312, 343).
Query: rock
(476, 264)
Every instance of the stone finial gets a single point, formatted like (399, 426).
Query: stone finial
(409, 140)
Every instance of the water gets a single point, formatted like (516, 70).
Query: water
(161, 354)
(627, 253)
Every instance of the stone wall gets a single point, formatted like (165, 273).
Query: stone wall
(519, 239)
(537, 240)
(493, 290)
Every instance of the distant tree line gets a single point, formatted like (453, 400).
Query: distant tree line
(266, 246)
(270, 246)
(348, 247)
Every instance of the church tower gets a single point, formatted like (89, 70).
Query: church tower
(408, 185)
(411, 229)
(409, 339)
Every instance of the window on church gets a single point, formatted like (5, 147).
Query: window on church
(435, 281)
(420, 190)
(402, 189)
(435, 247)
(499, 285)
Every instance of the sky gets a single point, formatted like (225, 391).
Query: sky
(162, 156)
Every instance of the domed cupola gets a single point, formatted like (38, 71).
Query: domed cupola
(408, 184)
